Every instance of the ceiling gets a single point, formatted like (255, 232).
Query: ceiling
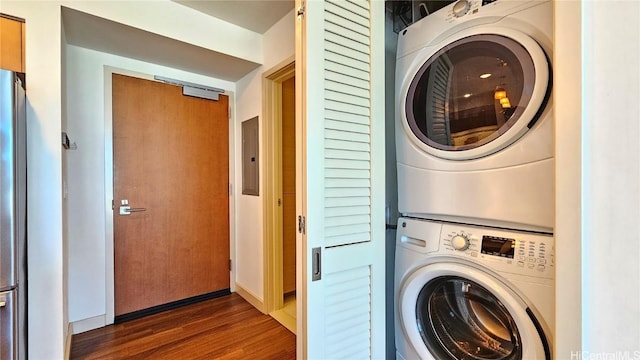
(96, 33)
(255, 15)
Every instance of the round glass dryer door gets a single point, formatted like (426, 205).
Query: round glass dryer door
(459, 319)
(477, 94)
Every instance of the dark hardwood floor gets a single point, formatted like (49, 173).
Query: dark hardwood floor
(222, 328)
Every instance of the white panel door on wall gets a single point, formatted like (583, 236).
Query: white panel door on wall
(340, 142)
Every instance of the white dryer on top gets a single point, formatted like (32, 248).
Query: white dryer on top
(474, 119)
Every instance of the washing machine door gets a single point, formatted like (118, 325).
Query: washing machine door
(475, 93)
(455, 311)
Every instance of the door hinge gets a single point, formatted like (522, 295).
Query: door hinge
(279, 202)
(230, 265)
(302, 225)
(301, 10)
(113, 205)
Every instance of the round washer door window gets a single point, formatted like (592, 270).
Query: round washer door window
(459, 319)
(477, 94)
(451, 310)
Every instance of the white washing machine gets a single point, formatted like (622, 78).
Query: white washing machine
(470, 292)
(474, 119)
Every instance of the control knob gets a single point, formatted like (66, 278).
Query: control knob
(460, 242)
(461, 8)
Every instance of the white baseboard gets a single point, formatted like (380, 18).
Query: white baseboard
(67, 342)
(250, 297)
(95, 322)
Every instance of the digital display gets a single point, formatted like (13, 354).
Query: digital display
(498, 246)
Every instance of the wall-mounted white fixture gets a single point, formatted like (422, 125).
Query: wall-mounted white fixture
(191, 89)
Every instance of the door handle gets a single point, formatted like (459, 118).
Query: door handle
(127, 210)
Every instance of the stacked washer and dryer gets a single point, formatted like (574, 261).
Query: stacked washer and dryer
(474, 272)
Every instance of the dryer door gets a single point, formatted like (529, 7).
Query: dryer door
(475, 93)
(454, 311)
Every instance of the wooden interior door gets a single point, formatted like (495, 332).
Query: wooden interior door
(170, 158)
(288, 186)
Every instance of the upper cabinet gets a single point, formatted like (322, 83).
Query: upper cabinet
(12, 43)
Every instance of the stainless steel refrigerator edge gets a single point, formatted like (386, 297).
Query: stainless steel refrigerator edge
(13, 227)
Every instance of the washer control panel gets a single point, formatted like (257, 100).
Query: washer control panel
(504, 250)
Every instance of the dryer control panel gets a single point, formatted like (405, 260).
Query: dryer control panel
(516, 252)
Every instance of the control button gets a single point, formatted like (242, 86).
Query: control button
(541, 268)
(531, 266)
(460, 242)
(521, 263)
(522, 257)
(532, 260)
(542, 261)
(461, 8)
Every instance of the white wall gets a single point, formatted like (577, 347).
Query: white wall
(611, 178)
(568, 92)
(47, 301)
(278, 44)
(598, 179)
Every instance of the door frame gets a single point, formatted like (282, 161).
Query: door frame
(272, 81)
(108, 183)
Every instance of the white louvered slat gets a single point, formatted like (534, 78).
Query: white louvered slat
(331, 8)
(344, 65)
(347, 183)
(346, 164)
(347, 136)
(355, 8)
(346, 117)
(346, 145)
(345, 192)
(342, 40)
(349, 90)
(347, 201)
(362, 41)
(332, 17)
(347, 220)
(346, 79)
(346, 154)
(348, 292)
(348, 239)
(347, 309)
(347, 108)
(344, 341)
(335, 46)
(332, 231)
(346, 299)
(347, 174)
(346, 126)
(353, 210)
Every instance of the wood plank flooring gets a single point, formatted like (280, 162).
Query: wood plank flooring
(223, 328)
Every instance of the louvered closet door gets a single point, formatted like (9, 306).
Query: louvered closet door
(340, 67)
